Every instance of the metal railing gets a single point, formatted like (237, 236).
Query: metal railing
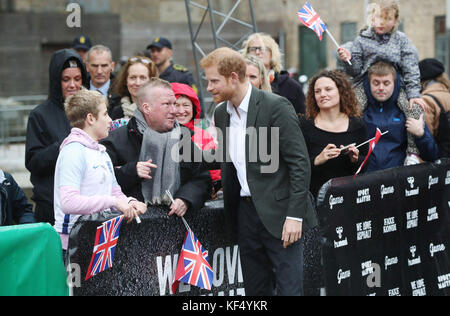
(14, 112)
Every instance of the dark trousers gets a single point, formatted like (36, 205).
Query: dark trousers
(44, 213)
(264, 261)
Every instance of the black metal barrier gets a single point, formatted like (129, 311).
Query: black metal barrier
(388, 233)
(147, 254)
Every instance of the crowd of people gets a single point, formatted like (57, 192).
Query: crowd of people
(103, 142)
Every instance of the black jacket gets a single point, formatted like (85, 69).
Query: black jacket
(290, 89)
(124, 145)
(14, 206)
(47, 127)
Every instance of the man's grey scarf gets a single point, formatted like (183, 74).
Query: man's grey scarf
(163, 150)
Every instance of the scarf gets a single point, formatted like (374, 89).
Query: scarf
(128, 107)
(163, 149)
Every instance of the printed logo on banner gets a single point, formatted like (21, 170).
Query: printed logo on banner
(386, 190)
(394, 292)
(340, 243)
(367, 268)
(443, 281)
(418, 288)
(342, 275)
(363, 196)
(432, 181)
(335, 201)
(413, 191)
(389, 225)
(364, 230)
(447, 178)
(390, 262)
(412, 219)
(432, 214)
(436, 248)
(413, 261)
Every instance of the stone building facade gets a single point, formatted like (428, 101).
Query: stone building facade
(31, 29)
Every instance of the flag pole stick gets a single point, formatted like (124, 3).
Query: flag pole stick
(371, 140)
(336, 43)
(182, 218)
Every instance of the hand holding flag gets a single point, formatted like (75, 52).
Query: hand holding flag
(308, 16)
(372, 143)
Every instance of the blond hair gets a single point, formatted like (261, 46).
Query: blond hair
(268, 42)
(442, 79)
(258, 64)
(79, 105)
(376, 8)
(227, 62)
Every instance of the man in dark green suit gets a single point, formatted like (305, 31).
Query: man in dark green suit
(266, 197)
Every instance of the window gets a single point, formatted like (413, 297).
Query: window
(6, 5)
(348, 32)
(441, 48)
(92, 6)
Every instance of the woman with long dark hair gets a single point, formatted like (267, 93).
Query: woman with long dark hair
(332, 127)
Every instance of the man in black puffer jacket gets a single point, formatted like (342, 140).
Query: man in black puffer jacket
(48, 126)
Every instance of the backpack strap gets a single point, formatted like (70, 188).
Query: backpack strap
(437, 101)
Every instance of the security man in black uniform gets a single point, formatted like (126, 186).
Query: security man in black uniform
(161, 54)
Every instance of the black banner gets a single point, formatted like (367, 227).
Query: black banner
(387, 233)
(147, 254)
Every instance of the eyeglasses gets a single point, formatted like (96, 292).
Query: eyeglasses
(140, 59)
(255, 49)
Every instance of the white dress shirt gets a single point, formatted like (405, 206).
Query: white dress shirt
(103, 89)
(236, 142)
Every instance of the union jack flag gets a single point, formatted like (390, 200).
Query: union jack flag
(311, 19)
(104, 246)
(193, 267)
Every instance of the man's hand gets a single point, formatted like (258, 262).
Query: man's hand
(292, 231)
(143, 169)
(178, 207)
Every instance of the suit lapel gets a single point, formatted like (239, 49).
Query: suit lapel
(253, 107)
(251, 139)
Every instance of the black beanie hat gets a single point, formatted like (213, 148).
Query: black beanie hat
(72, 62)
(430, 68)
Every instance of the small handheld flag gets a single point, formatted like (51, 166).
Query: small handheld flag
(104, 246)
(311, 19)
(372, 143)
(193, 267)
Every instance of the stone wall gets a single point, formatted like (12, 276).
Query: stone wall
(29, 39)
(128, 27)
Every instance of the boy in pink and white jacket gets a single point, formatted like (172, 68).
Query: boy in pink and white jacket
(84, 177)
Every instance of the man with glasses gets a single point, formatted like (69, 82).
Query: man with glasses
(265, 48)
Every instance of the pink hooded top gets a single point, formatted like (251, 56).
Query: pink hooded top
(84, 182)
